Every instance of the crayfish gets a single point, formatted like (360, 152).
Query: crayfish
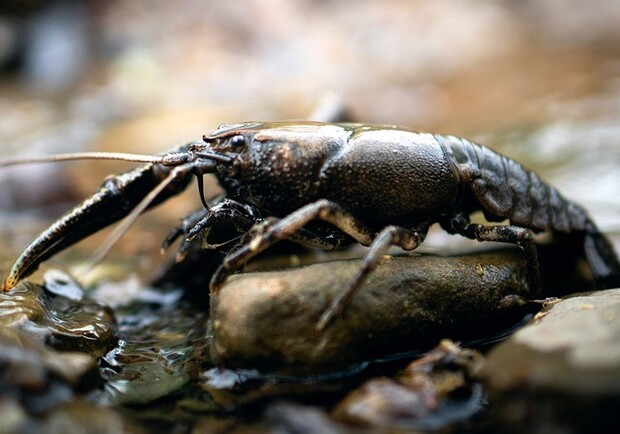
(330, 185)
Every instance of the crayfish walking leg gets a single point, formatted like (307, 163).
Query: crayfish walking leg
(331, 213)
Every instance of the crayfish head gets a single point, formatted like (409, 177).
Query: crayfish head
(274, 164)
(229, 139)
(231, 146)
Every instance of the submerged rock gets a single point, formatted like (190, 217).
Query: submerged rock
(562, 371)
(146, 382)
(267, 320)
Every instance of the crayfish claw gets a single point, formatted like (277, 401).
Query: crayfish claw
(199, 227)
(184, 229)
(183, 251)
(119, 197)
(171, 238)
(8, 284)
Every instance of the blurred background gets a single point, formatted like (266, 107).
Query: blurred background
(539, 81)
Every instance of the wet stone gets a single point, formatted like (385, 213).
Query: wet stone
(24, 303)
(49, 346)
(14, 418)
(563, 369)
(84, 417)
(39, 379)
(60, 322)
(267, 320)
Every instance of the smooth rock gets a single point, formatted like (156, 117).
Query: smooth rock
(560, 373)
(267, 320)
(573, 346)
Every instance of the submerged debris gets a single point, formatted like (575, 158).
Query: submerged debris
(429, 393)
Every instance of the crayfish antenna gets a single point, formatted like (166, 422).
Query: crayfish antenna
(73, 156)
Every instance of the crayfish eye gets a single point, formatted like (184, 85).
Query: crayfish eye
(236, 142)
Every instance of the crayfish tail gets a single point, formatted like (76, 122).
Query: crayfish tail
(602, 259)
